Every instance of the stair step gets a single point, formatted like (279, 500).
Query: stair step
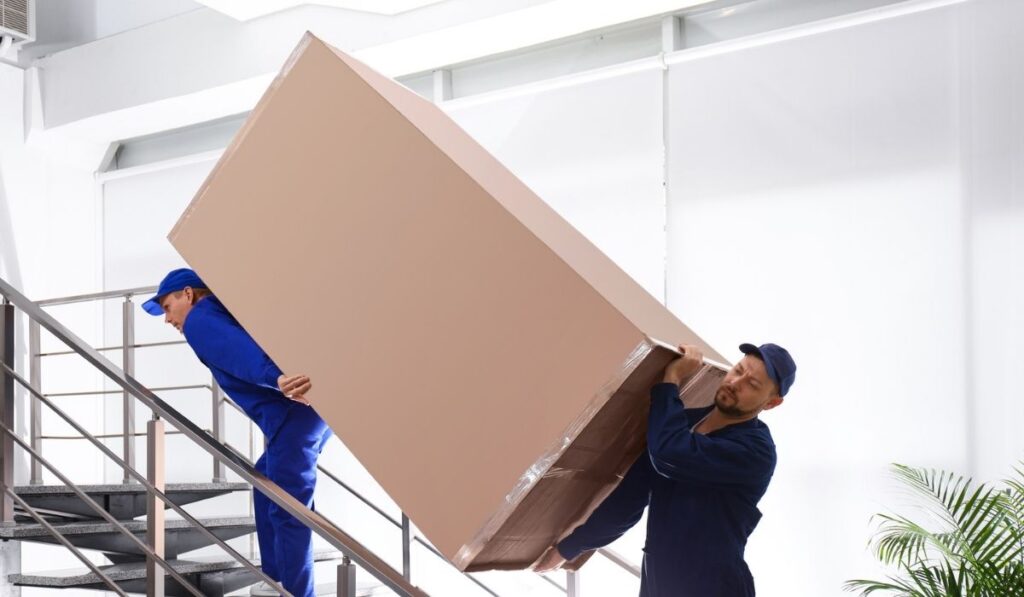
(367, 586)
(214, 575)
(180, 537)
(123, 501)
(363, 588)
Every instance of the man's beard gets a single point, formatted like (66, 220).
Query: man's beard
(726, 404)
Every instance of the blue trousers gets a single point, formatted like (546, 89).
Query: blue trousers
(286, 545)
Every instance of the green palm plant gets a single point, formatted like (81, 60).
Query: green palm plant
(970, 545)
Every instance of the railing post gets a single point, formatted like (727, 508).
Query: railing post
(252, 494)
(35, 407)
(10, 551)
(346, 578)
(128, 364)
(406, 548)
(357, 553)
(219, 475)
(7, 411)
(572, 584)
(155, 506)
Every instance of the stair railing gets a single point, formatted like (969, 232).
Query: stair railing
(218, 402)
(353, 551)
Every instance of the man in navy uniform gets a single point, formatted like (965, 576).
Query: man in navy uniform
(702, 474)
(277, 403)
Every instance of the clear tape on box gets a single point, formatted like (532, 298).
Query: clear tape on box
(542, 467)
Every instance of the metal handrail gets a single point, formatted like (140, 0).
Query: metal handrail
(98, 392)
(390, 519)
(63, 541)
(96, 296)
(131, 471)
(620, 561)
(114, 347)
(415, 538)
(99, 510)
(128, 293)
(108, 435)
(358, 553)
(377, 509)
(366, 501)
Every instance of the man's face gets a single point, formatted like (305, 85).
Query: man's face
(176, 306)
(747, 389)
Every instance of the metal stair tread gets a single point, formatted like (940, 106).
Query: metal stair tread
(369, 589)
(137, 570)
(32, 530)
(26, 490)
(364, 588)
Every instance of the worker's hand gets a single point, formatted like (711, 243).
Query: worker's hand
(549, 562)
(295, 387)
(685, 366)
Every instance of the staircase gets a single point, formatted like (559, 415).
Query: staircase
(126, 523)
(212, 576)
(77, 522)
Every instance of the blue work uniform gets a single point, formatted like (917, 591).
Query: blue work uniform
(295, 436)
(702, 491)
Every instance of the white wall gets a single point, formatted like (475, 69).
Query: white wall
(851, 195)
(48, 239)
(138, 212)
(992, 149)
(851, 190)
(593, 150)
(48, 247)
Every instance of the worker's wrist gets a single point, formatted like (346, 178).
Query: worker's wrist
(567, 552)
(677, 379)
(664, 390)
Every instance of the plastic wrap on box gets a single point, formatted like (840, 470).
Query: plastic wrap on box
(572, 478)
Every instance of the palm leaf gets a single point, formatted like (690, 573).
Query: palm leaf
(971, 545)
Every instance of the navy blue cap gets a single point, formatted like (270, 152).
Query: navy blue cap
(172, 282)
(777, 362)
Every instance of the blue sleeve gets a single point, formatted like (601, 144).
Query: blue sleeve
(617, 513)
(679, 454)
(221, 342)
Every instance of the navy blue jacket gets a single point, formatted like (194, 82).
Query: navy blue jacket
(238, 364)
(702, 491)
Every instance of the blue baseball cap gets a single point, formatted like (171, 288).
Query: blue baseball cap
(777, 362)
(172, 282)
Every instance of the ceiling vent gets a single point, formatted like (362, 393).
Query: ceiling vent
(17, 21)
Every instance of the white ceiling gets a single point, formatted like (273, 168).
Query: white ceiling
(244, 10)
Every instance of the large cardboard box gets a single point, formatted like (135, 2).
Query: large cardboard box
(483, 360)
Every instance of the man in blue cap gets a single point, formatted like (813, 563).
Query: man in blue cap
(277, 403)
(702, 475)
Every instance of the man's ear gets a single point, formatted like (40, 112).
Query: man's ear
(773, 402)
(190, 294)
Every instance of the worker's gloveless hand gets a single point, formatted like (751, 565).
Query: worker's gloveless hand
(685, 366)
(295, 387)
(550, 561)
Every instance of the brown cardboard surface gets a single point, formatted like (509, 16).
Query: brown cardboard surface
(457, 331)
(589, 469)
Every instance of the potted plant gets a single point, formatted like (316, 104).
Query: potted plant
(967, 542)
